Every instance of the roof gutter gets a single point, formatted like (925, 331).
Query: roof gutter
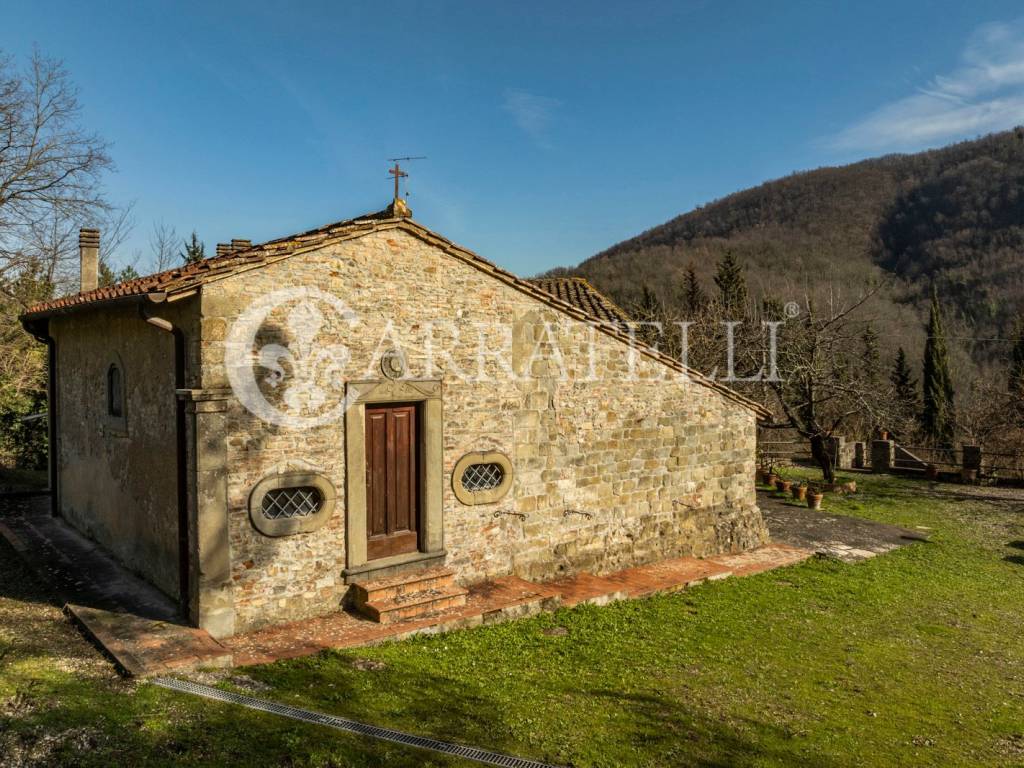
(155, 297)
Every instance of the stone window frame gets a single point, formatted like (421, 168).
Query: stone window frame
(491, 495)
(426, 393)
(287, 526)
(116, 425)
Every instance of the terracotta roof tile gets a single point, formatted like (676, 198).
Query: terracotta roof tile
(581, 294)
(191, 276)
(573, 296)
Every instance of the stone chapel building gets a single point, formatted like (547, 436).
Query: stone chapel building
(224, 487)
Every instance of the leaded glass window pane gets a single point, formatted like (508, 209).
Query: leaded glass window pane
(482, 477)
(291, 502)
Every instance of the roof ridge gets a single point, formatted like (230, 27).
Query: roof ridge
(146, 283)
(259, 255)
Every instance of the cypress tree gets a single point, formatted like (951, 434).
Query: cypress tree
(694, 298)
(732, 286)
(1017, 360)
(937, 416)
(872, 359)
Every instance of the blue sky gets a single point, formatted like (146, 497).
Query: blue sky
(553, 130)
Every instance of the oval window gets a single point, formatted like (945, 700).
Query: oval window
(284, 503)
(482, 477)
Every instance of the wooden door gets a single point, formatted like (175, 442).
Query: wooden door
(392, 480)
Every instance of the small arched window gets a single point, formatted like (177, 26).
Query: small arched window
(115, 392)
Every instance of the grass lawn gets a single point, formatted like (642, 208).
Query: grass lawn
(912, 658)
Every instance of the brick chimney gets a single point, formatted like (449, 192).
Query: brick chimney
(223, 249)
(241, 245)
(89, 254)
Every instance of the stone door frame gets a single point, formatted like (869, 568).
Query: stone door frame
(427, 394)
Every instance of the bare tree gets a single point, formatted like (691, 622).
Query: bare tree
(50, 173)
(163, 243)
(51, 244)
(49, 167)
(821, 383)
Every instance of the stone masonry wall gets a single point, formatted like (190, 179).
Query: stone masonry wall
(659, 467)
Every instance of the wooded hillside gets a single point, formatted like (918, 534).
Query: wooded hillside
(953, 216)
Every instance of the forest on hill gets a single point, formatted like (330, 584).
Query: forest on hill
(951, 218)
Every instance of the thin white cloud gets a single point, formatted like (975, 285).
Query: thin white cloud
(532, 113)
(984, 94)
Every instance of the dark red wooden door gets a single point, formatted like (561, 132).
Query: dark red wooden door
(392, 480)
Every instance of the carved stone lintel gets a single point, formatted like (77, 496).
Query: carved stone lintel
(394, 390)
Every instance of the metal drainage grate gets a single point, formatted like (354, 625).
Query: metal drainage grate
(351, 726)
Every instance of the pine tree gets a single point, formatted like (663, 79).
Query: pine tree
(195, 250)
(871, 362)
(694, 298)
(903, 383)
(1017, 360)
(937, 416)
(649, 310)
(732, 286)
(650, 307)
(772, 309)
(128, 273)
(108, 276)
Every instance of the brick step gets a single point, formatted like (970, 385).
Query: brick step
(403, 584)
(587, 588)
(668, 576)
(415, 604)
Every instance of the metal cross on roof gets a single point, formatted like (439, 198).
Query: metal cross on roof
(397, 171)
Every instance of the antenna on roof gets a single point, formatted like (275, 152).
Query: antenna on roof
(397, 171)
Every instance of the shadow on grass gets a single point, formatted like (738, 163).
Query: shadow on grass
(954, 495)
(554, 724)
(696, 738)
(97, 727)
(16, 583)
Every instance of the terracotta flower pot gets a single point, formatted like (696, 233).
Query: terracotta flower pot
(799, 492)
(772, 479)
(814, 500)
